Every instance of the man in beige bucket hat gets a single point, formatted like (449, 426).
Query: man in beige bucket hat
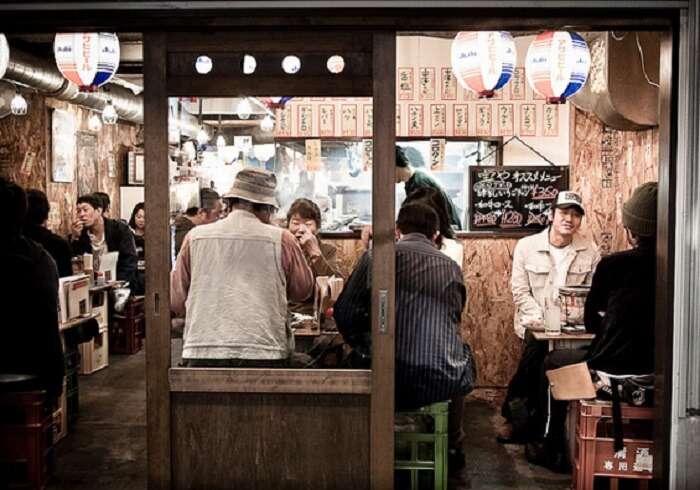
(233, 279)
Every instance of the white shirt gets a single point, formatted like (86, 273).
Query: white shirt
(453, 249)
(559, 256)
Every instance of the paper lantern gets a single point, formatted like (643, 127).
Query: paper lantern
(88, 59)
(483, 61)
(4, 55)
(557, 64)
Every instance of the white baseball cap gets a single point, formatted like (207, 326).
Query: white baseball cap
(568, 199)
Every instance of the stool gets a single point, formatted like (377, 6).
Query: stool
(126, 332)
(422, 448)
(594, 455)
(26, 433)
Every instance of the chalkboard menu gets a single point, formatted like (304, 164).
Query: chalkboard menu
(513, 198)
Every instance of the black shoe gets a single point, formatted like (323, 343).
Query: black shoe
(538, 452)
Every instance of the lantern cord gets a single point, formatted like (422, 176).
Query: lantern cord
(488, 155)
(644, 70)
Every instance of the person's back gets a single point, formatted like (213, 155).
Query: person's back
(237, 304)
(35, 229)
(431, 363)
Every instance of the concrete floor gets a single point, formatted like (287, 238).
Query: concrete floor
(107, 449)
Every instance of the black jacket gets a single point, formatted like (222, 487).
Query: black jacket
(119, 238)
(57, 247)
(624, 288)
(29, 304)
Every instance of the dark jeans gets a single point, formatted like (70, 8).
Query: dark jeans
(524, 386)
(556, 440)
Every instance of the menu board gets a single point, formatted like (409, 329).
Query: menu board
(513, 198)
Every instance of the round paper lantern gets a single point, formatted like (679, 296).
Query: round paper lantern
(557, 64)
(88, 59)
(483, 61)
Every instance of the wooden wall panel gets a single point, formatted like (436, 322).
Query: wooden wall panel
(20, 135)
(210, 449)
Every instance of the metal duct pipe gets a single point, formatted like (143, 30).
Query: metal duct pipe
(43, 76)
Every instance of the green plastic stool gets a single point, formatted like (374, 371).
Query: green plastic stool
(421, 461)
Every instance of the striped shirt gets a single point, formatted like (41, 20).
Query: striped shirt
(432, 362)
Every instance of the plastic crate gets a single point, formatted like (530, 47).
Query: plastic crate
(420, 458)
(594, 455)
(60, 417)
(126, 332)
(94, 354)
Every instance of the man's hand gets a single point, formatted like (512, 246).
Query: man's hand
(535, 325)
(308, 242)
(76, 229)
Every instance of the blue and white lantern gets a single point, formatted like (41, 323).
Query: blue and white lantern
(483, 61)
(88, 59)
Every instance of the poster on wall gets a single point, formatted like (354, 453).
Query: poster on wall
(88, 179)
(550, 120)
(483, 119)
(506, 121)
(415, 120)
(305, 117)
(438, 120)
(517, 84)
(405, 84)
(426, 83)
(111, 166)
(448, 85)
(461, 120)
(28, 163)
(284, 121)
(528, 120)
(326, 120)
(367, 121)
(62, 146)
(348, 122)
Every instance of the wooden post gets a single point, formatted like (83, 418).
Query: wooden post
(157, 260)
(383, 261)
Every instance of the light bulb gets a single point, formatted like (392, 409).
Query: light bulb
(202, 136)
(109, 114)
(94, 123)
(267, 124)
(335, 64)
(291, 64)
(203, 65)
(244, 109)
(220, 141)
(18, 105)
(249, 64)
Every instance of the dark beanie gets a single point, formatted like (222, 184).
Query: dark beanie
(639, 212)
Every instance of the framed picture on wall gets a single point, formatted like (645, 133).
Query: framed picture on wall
(63, 146)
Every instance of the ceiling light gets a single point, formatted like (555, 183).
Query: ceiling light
(335, 64)
(109, 114)
(220, 141)
(244, 109)
(18, 105)
(291, 64)
(94, 123)
(267, 124)
(202, 136)
(203, 65)
(249, 64)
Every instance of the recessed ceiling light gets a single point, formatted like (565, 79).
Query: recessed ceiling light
(291, 64)
(203, 65)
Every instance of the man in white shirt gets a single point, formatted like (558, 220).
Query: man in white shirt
(542, 263)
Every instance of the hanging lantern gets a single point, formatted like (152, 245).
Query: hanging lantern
(109, 114)
(557, 65)
(244, 109)
(18, 105)
(94, 123)
(88, 59)
(4, 55)
(483, 61)
(267, 124)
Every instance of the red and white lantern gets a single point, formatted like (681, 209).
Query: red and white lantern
(557, 65)
(88, 59)
(483, 61)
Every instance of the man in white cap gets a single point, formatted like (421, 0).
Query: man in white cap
(233, 279)
(542, 263)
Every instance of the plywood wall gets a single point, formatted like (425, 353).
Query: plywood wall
(487, 322)
(20, 136)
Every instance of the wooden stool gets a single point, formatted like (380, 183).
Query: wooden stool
(426, 460)
(26, 433)
(594, 455)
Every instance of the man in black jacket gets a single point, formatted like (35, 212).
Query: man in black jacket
(35, 228)
(29, 301)
(94, 234)
(619, 310)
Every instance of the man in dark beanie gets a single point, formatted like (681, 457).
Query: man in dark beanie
(619, 311)
(30, 340)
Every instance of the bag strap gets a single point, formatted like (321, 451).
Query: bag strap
(617, 415)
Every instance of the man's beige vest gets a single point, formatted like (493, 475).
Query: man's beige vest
(237, 301)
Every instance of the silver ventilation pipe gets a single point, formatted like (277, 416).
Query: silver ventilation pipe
(43, 76)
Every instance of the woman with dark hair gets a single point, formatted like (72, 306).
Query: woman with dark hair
(137, 223)
(35, 228)
(445, 241)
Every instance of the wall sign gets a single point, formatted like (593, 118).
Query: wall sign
(426, 83)
(305, 120)
(483, 119)
(513, 198)
(326, 120)
(405, 89)
(448, 84)
(415, 120)
(63, 143)
(367, 121)
(438, 120)
(461, 120)
(348, 122)
(506, 120)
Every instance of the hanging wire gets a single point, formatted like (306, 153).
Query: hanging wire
(644, 70)
(488, 155)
